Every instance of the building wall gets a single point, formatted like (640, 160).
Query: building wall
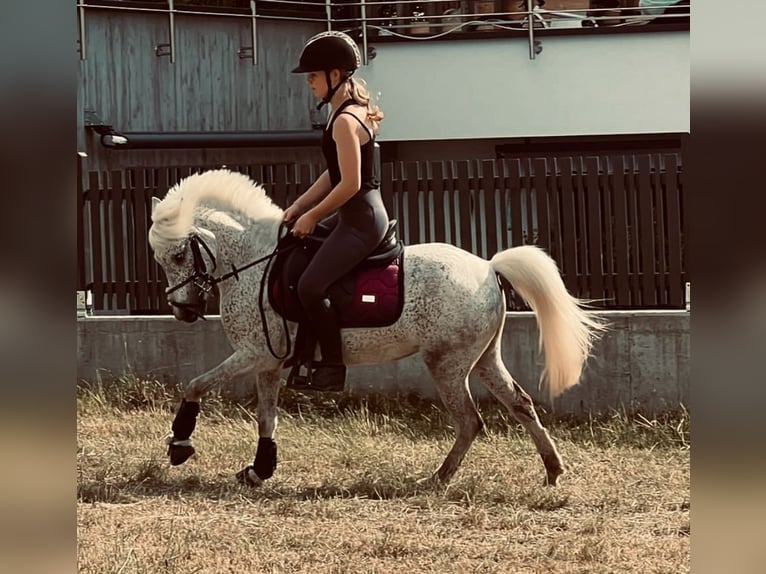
(581, 84)
(456, 89)
(209, 87)
(641, 364)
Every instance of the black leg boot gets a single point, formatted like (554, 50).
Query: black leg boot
(330, 374)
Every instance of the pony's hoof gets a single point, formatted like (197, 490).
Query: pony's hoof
(248, 477)
(179, 454)
(552, 477)
(430, 481)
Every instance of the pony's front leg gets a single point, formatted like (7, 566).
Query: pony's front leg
(265, 462)
(179, 442)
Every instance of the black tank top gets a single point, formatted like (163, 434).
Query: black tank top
(330, 152)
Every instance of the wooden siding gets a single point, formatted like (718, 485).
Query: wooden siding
(209, 87)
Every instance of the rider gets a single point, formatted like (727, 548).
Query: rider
(348, 186)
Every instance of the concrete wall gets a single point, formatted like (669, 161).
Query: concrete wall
(641, 364)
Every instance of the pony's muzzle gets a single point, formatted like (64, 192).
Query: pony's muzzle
(186, 312)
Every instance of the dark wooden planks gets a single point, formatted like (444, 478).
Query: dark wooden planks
(613, 224)
(594, 229)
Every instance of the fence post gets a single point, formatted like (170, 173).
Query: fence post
(81, 155)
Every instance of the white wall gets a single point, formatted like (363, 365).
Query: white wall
(487, 88)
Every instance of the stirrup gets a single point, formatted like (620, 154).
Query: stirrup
(318, 377)
(330, 377)
(297, 381)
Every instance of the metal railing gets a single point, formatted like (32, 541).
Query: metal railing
(405, 20)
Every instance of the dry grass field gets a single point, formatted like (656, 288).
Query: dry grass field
(346, 498)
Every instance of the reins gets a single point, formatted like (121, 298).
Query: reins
(205, 281)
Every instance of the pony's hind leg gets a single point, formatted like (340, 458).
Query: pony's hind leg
(265, 462)
(496, 378)
(450, 373)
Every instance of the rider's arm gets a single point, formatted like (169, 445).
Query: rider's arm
(350, 162)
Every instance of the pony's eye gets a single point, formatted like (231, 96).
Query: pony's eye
(179, 257)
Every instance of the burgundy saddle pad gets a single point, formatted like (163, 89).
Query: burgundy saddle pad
(372, 295)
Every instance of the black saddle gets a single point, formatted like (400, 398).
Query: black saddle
(389, 249)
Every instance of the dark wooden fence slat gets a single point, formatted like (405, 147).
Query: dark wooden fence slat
(540, 167)
(96, 205)
(81, 264)
(634, 260)
(607, 236)
(160, 191)
(450, 191)
(514, 184)
(129, 182)
(646, 232)
(387, 188)
(438, 234)
(554, 216)
(488, 171)
(141, 222)
(107, 251)
(118, 238)
(400, 201)
(152, 266)
(620, 219)
(412, 195)
(504, 198)
(529, 204)
(593, 205)
(464, 205)
(568, 225)
(673, 234)
(660, 257)
(582, 230)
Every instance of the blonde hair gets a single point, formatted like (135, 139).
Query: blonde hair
(362, 96)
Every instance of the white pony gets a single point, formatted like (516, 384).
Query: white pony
(453, 315)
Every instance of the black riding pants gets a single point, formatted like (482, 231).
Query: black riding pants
(360, 226)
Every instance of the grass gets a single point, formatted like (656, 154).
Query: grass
(346, 496)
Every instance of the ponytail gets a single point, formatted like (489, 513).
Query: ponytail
(362, 96)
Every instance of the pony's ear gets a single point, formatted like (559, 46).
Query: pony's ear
(155, 202)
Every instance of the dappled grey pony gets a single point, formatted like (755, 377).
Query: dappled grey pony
(453, 315)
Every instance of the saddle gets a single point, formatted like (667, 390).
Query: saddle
(371, 295)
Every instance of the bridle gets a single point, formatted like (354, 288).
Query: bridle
(201, 279)
(205, 282)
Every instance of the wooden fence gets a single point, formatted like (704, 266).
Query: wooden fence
(614, 224)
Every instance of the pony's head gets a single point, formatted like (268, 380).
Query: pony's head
(183, 247)
(187, 262)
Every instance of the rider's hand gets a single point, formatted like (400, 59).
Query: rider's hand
(292, 212)
(305, 225)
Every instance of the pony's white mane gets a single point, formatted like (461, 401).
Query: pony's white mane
(173, 218)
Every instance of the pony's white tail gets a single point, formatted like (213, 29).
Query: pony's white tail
(567, 330)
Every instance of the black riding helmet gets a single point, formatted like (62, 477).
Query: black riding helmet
(329, 51)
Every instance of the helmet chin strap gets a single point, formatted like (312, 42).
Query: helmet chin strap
(332, 90)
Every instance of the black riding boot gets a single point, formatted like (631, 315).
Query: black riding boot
(330, 374)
